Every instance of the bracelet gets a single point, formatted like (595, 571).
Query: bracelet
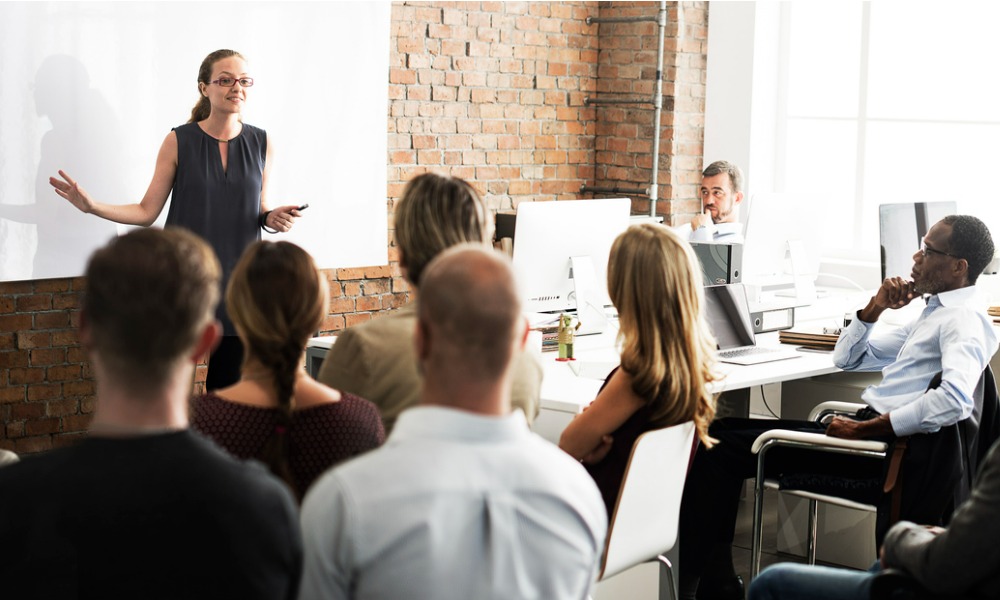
(262, 222)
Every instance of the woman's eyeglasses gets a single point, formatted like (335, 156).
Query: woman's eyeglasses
(231, 81)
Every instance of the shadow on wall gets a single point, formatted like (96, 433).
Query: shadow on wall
(85, 140)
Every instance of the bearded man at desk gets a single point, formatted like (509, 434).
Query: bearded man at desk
(930, 370)
(721, 198)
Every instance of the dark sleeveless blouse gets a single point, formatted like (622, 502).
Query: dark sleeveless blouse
(609, 473)
(220, 206)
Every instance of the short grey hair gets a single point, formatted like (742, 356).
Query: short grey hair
(722, 166)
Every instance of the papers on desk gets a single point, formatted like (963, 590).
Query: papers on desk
(593, 369)
(540, 320)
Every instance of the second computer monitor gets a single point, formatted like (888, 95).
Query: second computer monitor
(548, 235)
(902, 228)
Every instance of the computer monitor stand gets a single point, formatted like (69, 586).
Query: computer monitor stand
(803, 275)
(589, 303)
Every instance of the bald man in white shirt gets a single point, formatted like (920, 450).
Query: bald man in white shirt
(462, 501)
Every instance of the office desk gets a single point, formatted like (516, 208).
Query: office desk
(564, 393)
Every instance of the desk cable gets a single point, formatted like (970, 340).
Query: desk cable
(766, 405)
(842, 278)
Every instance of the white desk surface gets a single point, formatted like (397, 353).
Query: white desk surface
(563, 390)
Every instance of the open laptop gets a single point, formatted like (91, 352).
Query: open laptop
(728, 315)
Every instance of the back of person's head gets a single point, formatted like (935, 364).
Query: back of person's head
(437, 212)
(469, 302)
(655, 282)
(277, 299)
(149, 295)
(721, 166)
(971, 240)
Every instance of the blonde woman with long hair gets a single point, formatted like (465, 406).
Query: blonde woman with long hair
(667, 355)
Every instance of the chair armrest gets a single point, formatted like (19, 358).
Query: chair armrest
(817, 441)
(895, 584)
(834, 407)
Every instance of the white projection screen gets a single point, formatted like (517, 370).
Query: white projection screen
(93, 88)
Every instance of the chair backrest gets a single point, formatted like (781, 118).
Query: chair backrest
(7, 457)
(644, 524)
(979, 431)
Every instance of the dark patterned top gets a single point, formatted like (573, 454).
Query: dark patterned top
(319, 437)
(220, 206)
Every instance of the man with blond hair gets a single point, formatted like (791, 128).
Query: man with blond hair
(375, 359)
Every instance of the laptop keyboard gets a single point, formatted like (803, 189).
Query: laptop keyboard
(751, 350)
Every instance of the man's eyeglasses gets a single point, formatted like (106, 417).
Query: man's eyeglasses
(926, 250)
(230, 81)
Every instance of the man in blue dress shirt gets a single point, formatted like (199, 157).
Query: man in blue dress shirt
(952, 338)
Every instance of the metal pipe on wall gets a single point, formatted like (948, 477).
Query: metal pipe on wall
(653, 191)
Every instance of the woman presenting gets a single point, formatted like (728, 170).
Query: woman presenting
(217, 168)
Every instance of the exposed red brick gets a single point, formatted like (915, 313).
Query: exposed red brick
(356, 318)
(76, 422)
(493, 92)
(34, 303)
(15, 322)
(29, 410)
(13, 430)
(64, 373)
(78, 388)
(41, 426)
(44, 391)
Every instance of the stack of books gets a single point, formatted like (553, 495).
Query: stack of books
(817, 338)
(550, 337)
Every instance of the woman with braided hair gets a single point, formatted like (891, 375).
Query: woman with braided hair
(276, 412)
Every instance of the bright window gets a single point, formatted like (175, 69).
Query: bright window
(887, 102)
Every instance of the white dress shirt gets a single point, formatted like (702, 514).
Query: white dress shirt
(719, 233)
(454, 505)
(951, 336)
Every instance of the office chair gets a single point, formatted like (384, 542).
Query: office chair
(644, 525)
(810, 441)
(959, 449)
(895, 584)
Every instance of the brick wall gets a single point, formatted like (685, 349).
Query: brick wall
(627, 65)
(489, 91)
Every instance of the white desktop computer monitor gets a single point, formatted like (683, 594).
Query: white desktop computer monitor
(550, 237)
(778, 252)
(902, 228)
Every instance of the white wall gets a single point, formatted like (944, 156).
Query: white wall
(94, 87)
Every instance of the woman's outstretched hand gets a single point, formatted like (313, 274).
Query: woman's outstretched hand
(69, 189)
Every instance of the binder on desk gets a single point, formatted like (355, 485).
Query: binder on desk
(817, 338)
